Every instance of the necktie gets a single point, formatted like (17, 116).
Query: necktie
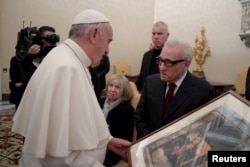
(169, 96)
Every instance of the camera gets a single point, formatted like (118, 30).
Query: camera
(53, 38)
(29, 36)
(45, 49)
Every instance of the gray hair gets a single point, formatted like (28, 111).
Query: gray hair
(158, 23)
(187, 53)
(80, 30)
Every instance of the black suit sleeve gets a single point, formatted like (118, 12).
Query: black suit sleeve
(143, 71)
(138, 83)
(141, 115)
(105, 67)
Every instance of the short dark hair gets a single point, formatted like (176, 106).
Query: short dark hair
(42, 29)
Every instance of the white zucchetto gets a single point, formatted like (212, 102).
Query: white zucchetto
(90, 16)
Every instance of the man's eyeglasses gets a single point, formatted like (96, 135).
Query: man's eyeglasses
(167, 62)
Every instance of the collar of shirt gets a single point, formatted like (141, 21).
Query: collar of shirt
(178, 82)
(79, 52)
(81, 55)
(36, 64)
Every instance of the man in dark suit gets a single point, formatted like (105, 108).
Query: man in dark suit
(149, 66)
(102, 70)
(247, 94)
(19, 68)
(190, 92)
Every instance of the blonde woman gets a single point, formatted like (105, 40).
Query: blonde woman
(118, 112)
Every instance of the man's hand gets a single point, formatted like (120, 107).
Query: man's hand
(34, 49)
(119, 146)
(18, 84)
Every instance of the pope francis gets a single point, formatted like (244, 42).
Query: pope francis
(59, 115)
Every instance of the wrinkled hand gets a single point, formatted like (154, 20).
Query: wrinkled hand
(119, 146)
(34, 49)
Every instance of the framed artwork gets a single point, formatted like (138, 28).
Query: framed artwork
(221, 124)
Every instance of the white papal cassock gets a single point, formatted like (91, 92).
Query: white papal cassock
(59, 115)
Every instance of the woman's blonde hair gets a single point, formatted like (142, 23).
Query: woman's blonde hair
(127, 92)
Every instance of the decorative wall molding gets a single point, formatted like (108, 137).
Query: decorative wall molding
(245, 22)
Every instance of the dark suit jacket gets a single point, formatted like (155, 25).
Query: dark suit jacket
(19, 70)
(145, 69)
(192, 93)
(31, 71)
(247, 94)
(96, 83)
(121, 125)
(102, 70)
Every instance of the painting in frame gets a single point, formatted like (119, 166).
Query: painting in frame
(221, 124)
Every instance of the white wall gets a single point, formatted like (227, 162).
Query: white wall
(132, 23)
(131, 20)
(221, 19)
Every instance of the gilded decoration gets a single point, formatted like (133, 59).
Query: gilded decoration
(200, 52)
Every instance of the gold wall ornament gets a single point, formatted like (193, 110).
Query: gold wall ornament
(200, 52)
(151, 46)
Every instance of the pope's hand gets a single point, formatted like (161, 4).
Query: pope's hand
(119, 146)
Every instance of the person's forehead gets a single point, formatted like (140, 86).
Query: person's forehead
(115, 81)
(159, 28)
(48, 33)
(109, 28)
(108, 32)
(172, 51)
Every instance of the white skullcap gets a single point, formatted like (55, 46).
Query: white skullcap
(90, 16)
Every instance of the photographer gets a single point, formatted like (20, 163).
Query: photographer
(45, 40)
(27, 57)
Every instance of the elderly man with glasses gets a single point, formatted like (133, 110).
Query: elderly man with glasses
(172, 93)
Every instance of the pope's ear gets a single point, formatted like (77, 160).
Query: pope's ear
(92, 34)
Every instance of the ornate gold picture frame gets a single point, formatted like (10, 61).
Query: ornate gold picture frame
(221, 124)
